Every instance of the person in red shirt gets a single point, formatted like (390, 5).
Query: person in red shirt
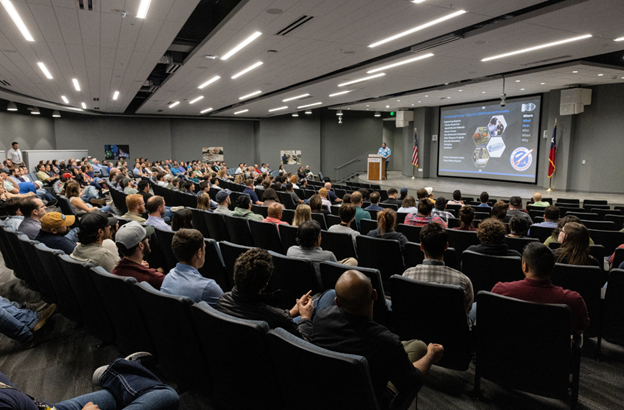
(275, 214)
(133, 243)
(538, 263)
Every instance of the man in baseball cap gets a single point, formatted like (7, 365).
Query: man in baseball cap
(223, 201)
(54, 227)
(95, 227)
(132, 240)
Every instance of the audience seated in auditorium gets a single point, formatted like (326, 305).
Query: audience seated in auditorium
(408, 205)
(54, 228)
(25, 189)
(515, 209)
(491, 234)
(439, 209)
(95, 227)
(129, 186)
(374, 198)
(309, 247)
(12, 208)
(223, 201)
(249, 190)
(33, 210)
(243, 209)
(392, 198)
(423, 217)
(136, 207)
(43, 177)
(574, 250)
(386, 225)
(252, 272)
(189, 249)
(275, 214)
(518, 227)
(537, 200)
(538, 263)
(349, 328)
(551, 217)
(347, 216)
(143, 188)
(76, 197)
(466, 217)
(323, 193)
(433, 242)
(357, 200)
(484, 198)
(188, 187)
(331, 195)
(563, 222)
(316, 205)
(291, 190)
(269, 197)
(424, 195)
(499, 211)
(183, 219)
(25, 323)
(203, 201)
(457, 198)
(303, 213)
(132, 241)
(156, 209)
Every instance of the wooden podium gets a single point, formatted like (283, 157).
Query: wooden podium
(376, 167)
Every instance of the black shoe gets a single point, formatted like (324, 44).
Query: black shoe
(36, 306)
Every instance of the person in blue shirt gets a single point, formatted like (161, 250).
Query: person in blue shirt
(385, 152)
(54, 228)
(189, 249)
(249, 190)
(484, 198)
(374, 200)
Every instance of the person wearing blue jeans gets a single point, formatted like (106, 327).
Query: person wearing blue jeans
(126, 385)
(21, 324)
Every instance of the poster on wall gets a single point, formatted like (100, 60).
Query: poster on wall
(116, 152)
(291, 157)
(212, 154)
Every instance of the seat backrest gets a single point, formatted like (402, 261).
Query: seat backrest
(320, 218)
(230, 252)
(595, 202)
(43, 285)
(341, 244)
(568, 201)
(96, 319)
(401, 217)
(238, 230)
(332, 220)
(266, 236)
(288, 236)
(165, 238)
(294, 277)
(518, 244)
(618, 219)
(223, 338)
(609, 239)
(288, 215)
(21, 268)
(287, 200)
(382, 254)
(413, 254)
(199, 222)
(587, 216)
(411, 232)
(391, 206)
(540, 232)
(367, 225)
(604, 225)
(485, 271)
(618, 258)
(214, 267)
(215, 224)
(170, 323)
(260, 210)
(532, 339)
(613, 322)
(443, 304)
(339, 381)
(461, 240)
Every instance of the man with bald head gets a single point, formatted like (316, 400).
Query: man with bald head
(333, 198)
(537, 200)
(275, 214)
(349, 328)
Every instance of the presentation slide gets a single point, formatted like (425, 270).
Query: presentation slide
(487, 141)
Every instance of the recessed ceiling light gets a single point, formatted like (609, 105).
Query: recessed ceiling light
(196, 99)
(207, 83)
(482, 92)
(240, 112)
(417, 1)
(367, 105)
(17, 19)
(45, 70)
(619, 39)
(241, 45)
(279, 108)
(418, 101)
(310, 105)
(143, 8)
(84, 105)
(522, 89)
(399, 100)
(526, 50)
(76, 85)
(244, 97)
(359, 80)
(35, 111)
(421, 27)
(377, 114)
(517, 81)
(174, 104)
(295, 98)
(426, 96)
(310, 111)
(56, 114)
(600, 75)
(387, 106)
(543, 83)
(412, 105)
(295, 114)
(340, 93)
(460, 90)
(116, 95)
(11, 106)
(258, 64)
(65, 100)
(206, 110)
(399, 63)
(574, 72)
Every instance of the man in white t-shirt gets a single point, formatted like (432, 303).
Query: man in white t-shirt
(14, 154)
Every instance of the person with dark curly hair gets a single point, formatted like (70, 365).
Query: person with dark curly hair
(491, 234)
(518, 227)
(466, 216)
(499, 210)
(423, 217)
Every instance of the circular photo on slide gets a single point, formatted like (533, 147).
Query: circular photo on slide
(496, 147)
(480, 157)
(521, 158)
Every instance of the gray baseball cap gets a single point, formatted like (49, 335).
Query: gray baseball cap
(132, 233)
(222, 195)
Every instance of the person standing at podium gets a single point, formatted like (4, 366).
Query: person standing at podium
(385, 152)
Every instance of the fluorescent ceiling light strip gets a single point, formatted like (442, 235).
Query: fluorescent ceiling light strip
(526, 50)
(340, 93)
(362, 79)
(310, 105)
(421, 27)
(10, 8)
(241, 45)
(65, 100)
(258, 64)
(244, 97)
(76, 85)
(279, 108)
(84, 105)
(207, 83)
(240, 112)
(143, 8)
(206, 110)
(45, 70)
(196, 99)
(74, 108)
(399, 63)
(116, 95)
(295, 98)
(619, 39)
(174, 104)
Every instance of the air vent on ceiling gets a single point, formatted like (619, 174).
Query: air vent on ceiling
(294, 25)
(435, 43)
(4, 82)
(85, 4)
(151, 89)
(548, 60)
(172, 68)
(166, 59)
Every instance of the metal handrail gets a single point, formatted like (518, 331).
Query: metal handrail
(347, 163)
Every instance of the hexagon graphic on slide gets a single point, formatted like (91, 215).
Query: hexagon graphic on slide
(480, 157)
(496, 126)
(496, 147)
(481, 137)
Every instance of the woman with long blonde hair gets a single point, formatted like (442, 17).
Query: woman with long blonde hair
(303, 213)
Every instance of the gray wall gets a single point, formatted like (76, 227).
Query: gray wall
(30, 131)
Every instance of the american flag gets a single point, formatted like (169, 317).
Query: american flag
(415, 152)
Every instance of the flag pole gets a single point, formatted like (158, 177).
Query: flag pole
(414, 166)
(550, 177)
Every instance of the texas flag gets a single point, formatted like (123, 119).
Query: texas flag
(553, 152)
